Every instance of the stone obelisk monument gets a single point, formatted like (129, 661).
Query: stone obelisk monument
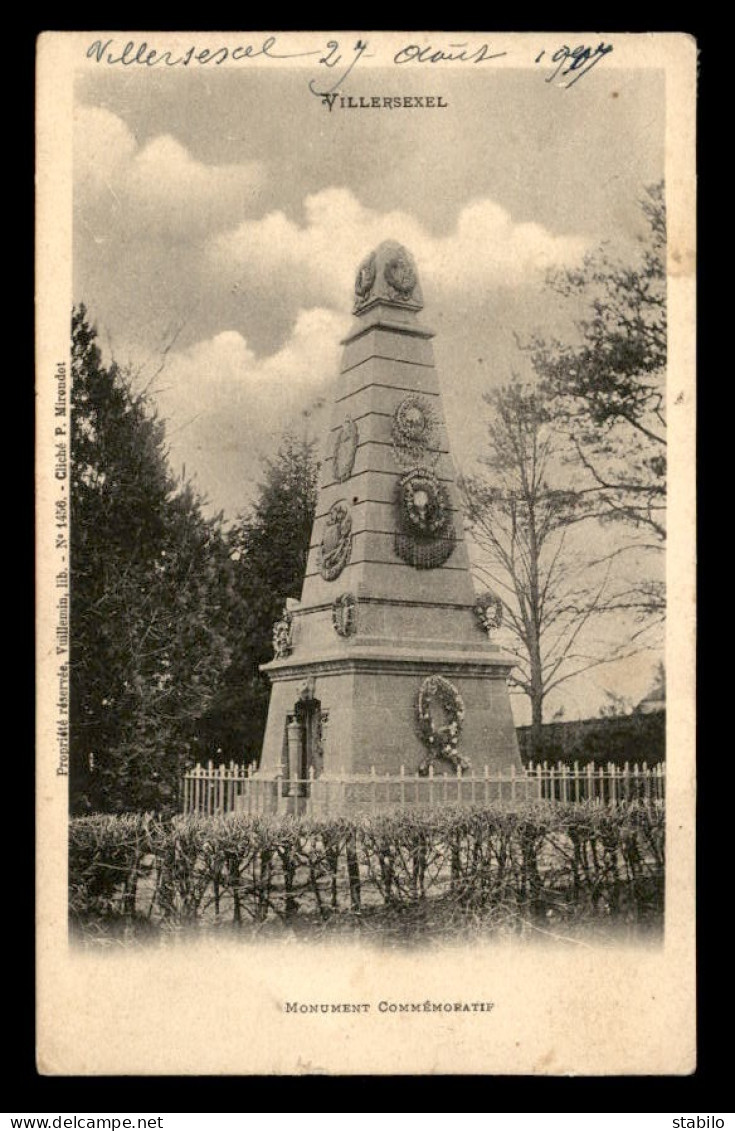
(387, 659)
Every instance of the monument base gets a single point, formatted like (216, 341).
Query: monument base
(363, 711)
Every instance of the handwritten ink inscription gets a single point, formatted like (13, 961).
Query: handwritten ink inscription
(333, 58)
(576, 61)
(455, 53)
(567, 63)
(103, 51)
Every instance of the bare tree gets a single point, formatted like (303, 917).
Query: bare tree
(554, 582)
(609, 393)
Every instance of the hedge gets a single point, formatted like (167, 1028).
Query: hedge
(625, 738)
(488, 866)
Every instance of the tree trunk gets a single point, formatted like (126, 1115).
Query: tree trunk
(537, 718)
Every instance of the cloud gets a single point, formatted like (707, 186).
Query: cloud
(103, 148)
(319, 256)
(155, 187)
(225, 365)
(225, 406)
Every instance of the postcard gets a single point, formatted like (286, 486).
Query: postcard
(365, 480)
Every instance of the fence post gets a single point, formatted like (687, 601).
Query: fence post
(646, 783)
(221, 786)
(252, 787)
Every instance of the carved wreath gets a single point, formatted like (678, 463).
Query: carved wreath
(414, 432)
(488, 610)
(344, 614)
(345, 448)
(365, 280)
(425, 536)
(423, 505)
(283, 636)
(438, 696)
(336, 543)
(400, 277)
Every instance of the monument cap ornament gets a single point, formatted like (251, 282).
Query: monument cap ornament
(365, 279)
(388, 275)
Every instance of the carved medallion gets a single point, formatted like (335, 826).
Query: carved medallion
(336, 543)
(488, 610)
(345, 447)
(344, 614)
(400, 276)
(425, 537)
(283, 636)
(415, 433)
(424, 505)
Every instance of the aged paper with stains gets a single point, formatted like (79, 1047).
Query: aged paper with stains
(209, 198)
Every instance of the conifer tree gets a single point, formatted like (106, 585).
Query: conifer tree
(151, 584)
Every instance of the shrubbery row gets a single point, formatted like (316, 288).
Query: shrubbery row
(572, 862)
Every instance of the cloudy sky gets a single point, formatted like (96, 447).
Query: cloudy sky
(222, 215)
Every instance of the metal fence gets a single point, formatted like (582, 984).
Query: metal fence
(236, 788)
(607, 783)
